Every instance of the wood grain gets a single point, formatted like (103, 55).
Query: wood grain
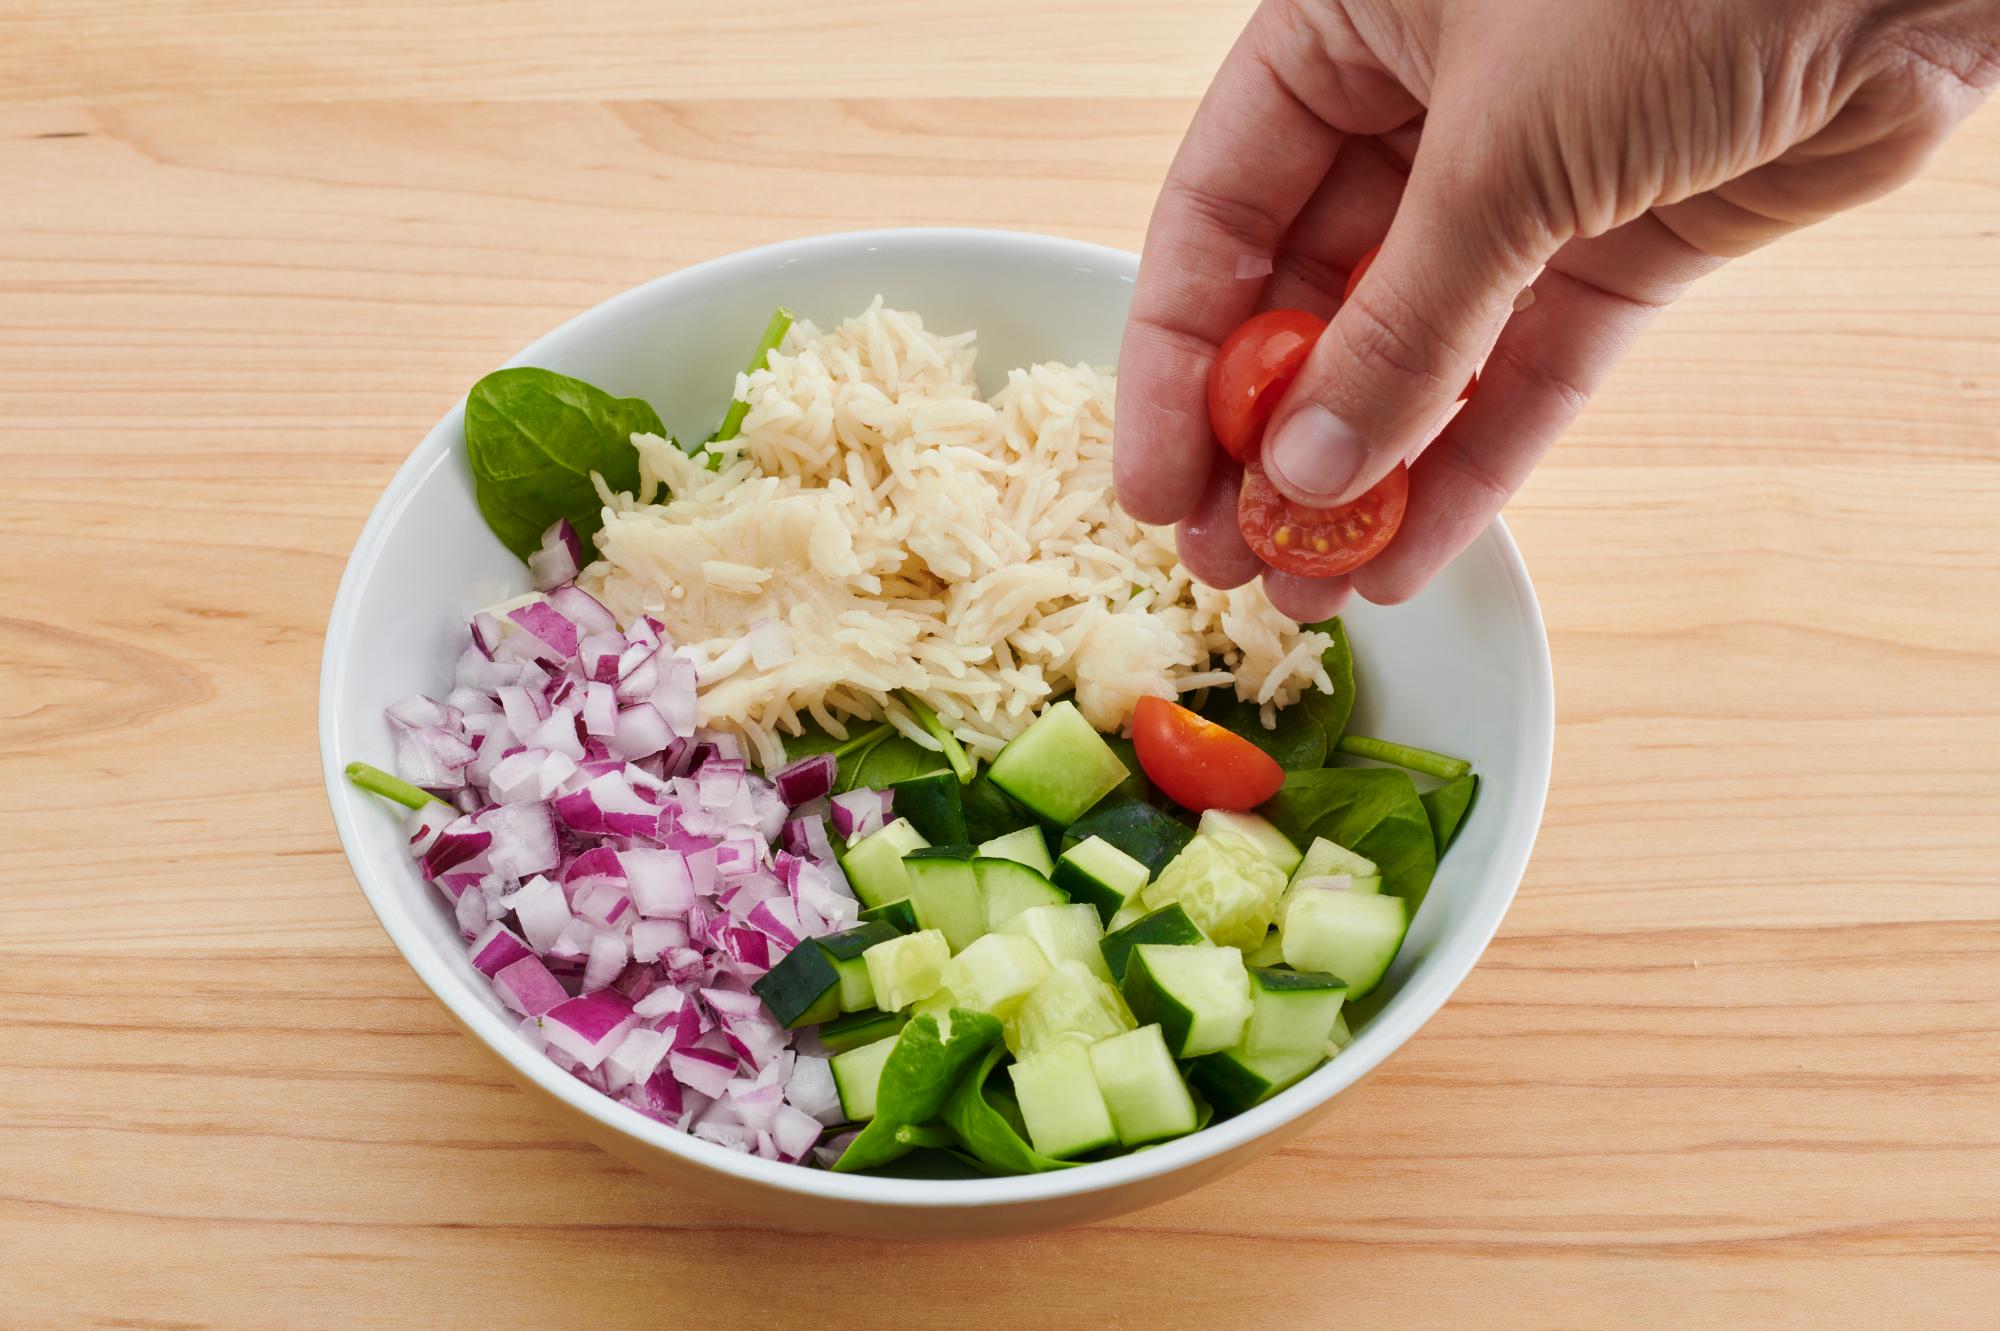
(1734, 1057)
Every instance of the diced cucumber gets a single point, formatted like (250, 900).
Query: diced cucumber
(1141, 1087)
(1323, 858)
(857, 1075)
(1060, 1103)
(1168, 924)
(1198, 995)
(1226, 885)
(1149, 835)
(996, 973)
(1235, 1079)
(1071, 1006)
(1341, 1037)
(906, 968)
(900, 915)
(990, 813)
(859, 1028)
(1291, 1012)
(1023, 845)
(1059, 766)
(1368, 885)
(1276, 847)
(1065, 933)
(1008, 887)
(1270, 952)
(846, 950)
(803, 989)
(934, 804)
(874, 864)
(1353, 935)
(945, 891)
(1097, 872)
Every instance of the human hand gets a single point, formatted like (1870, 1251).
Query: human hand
(1623, 148)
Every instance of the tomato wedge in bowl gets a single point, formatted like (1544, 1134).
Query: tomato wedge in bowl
(1198, 764)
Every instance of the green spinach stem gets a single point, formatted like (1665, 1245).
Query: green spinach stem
(378, 782)
(1403, 755)
(861, 740)
(774, 333)
(954, 752)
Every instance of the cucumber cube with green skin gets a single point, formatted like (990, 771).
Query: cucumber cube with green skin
(874, 864)
(1198, 995)
(1060, 1102)
(1142, 1087)
(1065, 933)
(1008, 887)
(1270, 952)
(1227, 886)
(803, 989)
(856, 1076)
(1096, 871)
(934, 804)
(1149, 835)
(846, 951)
(995, 973)
(859, 1028)
(1168, 924)
(1072, 1006)
(1323, 858)
(1024, 845)
(1354, 935)
(1236, 1079)
(1292, 1012)
(1275, 845)
(906, 968)
(1341, 1037)
(900, 915)
(1059, 766)
(945, 891)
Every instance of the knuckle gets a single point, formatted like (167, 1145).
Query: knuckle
(1392, 337)
(1247, 221)
(1541, 376)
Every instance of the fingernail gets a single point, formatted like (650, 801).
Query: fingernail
(1315, 451)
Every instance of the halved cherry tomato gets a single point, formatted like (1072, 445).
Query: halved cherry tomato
(1354, 280)
(1319, 542)
(1199, 764)
(1256, 365)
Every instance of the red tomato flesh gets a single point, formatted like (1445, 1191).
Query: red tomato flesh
(1198, 764)
(1255, 366)
(1319, 542)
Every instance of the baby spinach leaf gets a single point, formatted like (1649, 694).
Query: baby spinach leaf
(814, 740)
(893, 758)
(1297, 741)
(1447, 806)
(1333, 709)
(533, 438)
(985, 1130)
(918, 1077)
(954, 752)
(1373, 811)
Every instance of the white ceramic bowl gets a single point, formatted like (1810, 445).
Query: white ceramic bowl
(1463, 668)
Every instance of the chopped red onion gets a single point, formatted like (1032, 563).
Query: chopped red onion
(640, 731)
(704, 1070)
(524, 839)
(559, 560)
(495, 948)
(608, 955)
(542, 910)
(659, 881)
(527, 987)
(556, 631)
(584, 610)
(857, 813)
(590, 1026)
(806, 779)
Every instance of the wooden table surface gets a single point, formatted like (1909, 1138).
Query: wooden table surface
(1734, 1057)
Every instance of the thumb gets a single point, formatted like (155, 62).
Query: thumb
(1401, 348)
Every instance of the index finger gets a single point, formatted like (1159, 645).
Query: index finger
(1251, 159)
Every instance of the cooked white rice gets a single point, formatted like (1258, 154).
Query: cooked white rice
(908, 534)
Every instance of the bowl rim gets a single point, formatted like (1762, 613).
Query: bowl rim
(1424, 993)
